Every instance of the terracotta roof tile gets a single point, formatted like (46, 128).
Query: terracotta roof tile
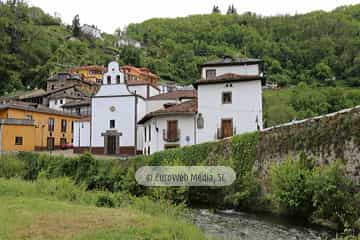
(32, 107)
(188, 107)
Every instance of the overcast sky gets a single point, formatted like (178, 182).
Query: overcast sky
(110, 14)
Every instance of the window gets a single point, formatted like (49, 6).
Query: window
(55, 102)
(61, 101)
(51, 124)
(149, 133)
(18, 140)
(226, 97)
(63, 125)
(118, 79)
(72, 127)
(211, 73)
(145, 133)
(52, 87)
(29, 117)
(112, 123)
(148, 150)
(108, 79)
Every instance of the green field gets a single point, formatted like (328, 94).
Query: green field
(55, 209)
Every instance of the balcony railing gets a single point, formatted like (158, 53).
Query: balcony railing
(167, 137)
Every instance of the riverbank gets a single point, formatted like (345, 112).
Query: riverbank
(57, 209)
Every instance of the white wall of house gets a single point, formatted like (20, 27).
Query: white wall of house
(252, 69)
(57, 103)
(186, 124)
(153, 91)
(144, 90)
(122, 110)
(153, 105)
(245, 109)
(81, 134)
(139, 90)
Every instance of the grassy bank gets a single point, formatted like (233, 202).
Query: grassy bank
(57, 209)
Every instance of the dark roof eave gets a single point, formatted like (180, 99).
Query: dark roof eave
(160, 114)
(219, 64)
(205, 82)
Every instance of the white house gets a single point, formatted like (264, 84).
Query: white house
(115, 112)
(91, 31)
(127, 119)
(229, 98)
(228, 101)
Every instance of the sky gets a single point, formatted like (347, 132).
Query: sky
(111, 14)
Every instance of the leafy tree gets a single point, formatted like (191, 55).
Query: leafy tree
(231, 10)
(76, 28)
(216, 9)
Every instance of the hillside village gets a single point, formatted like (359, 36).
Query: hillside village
(124, 110)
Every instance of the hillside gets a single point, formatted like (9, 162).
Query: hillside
(316, 47)
(34, 45)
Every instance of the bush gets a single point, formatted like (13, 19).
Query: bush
(105, 201)
(333, 195)
(11, 166)
(290, 189)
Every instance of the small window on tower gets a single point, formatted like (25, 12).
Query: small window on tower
(108, 79)
(211, 73)
(112, 123)
(118, 79)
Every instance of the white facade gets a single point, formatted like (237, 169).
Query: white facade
(145, 90)
(251, 69)
(115, 110)
(156, 126)
(82, 133)
(91, 31)
(245, 110)
(57, 103)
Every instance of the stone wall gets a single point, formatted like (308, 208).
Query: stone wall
(325, 139)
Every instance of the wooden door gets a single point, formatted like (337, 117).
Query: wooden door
(172, 127)
(226, 128)
(50, 143)
(111, 145)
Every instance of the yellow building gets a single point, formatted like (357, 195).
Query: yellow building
(29, 127)
(92, 73)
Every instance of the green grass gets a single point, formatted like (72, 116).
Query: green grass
(52, 209)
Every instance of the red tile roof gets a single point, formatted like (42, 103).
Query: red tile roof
(175, 95)
(186, 108)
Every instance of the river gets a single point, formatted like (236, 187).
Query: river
(231, 225)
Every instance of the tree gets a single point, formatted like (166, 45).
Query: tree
(216, 9)
(76, 29)
(231, 10)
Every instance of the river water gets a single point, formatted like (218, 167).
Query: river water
(231, 225)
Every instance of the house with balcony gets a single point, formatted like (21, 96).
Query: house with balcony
(128, 118)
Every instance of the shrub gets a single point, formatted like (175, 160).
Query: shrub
(11, 166)
(105, 201)
(333, 195)
(290, 189)
(86, 168)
